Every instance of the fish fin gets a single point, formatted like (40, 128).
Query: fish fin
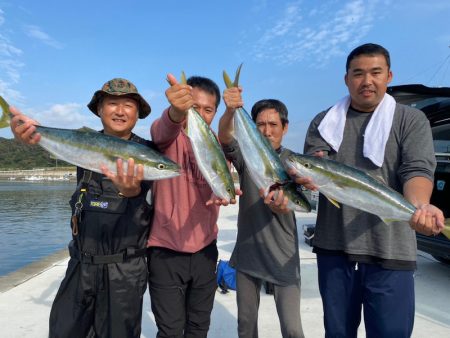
(236, 77)
(227, 80)
(378, 177)
(113, 158)
(215, 166)
(334, 202)
(183, 78)
(87, 130)
(5, 116)
(389, 221)
(446, 230)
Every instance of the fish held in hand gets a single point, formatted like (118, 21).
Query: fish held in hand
(263, 162)
(91, 150)
(341, 183)
(209, 155)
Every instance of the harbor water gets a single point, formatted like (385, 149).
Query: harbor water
(34, 221)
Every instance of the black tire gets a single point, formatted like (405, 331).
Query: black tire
(442, 259)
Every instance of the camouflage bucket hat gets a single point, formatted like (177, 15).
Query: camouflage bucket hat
(119, 87)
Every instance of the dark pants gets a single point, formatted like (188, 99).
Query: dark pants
(182, 288)
(287, 300)
(387, 297)
(104, 299)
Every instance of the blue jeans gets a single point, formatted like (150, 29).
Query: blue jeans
(387, 297)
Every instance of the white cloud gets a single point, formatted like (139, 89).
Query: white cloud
(37, 33)
(151, 95)
(10, 66)
(10, 94)
(289, 21)
(68, 115)
(319, 34)
(7, 49)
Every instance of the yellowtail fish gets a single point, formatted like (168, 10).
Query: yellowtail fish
(264, 164)
(345, 184)
(91, 150)
(209, 155)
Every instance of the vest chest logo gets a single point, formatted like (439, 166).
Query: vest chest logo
(99, 204)
(440, 185)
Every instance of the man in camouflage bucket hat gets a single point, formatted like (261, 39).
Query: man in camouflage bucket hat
(102, 292)
(120, 87)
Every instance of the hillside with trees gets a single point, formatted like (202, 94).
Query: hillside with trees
(15, 155)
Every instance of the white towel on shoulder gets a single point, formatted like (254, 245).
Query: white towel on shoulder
(377, 132)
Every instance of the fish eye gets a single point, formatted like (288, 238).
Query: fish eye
(307, 165)
(161, 166)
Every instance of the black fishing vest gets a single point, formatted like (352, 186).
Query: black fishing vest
(107, 227)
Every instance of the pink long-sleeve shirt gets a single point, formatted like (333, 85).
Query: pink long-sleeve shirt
(182, 221)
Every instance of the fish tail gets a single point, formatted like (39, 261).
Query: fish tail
(446, 230)
(228, 82)
(183, 78)
(5, 117)
(226, 78)
(236, 77)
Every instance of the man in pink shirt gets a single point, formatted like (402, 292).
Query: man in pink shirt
(182, 254)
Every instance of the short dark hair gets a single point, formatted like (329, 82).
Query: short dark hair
(279, 106)
(206, 85)
(368, 49)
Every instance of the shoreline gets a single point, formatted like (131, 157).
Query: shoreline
(29, 271)
(39, 174)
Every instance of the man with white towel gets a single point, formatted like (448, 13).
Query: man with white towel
(363, 262)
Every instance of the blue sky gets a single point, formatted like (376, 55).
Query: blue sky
(55, 54)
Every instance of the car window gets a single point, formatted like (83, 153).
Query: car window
(441, 138)
(434, 102)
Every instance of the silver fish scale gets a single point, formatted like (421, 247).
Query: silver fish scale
(209, 156)
(353, 187)
(91, 150)
(264, 164)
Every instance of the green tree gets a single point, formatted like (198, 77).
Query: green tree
(15, 155)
